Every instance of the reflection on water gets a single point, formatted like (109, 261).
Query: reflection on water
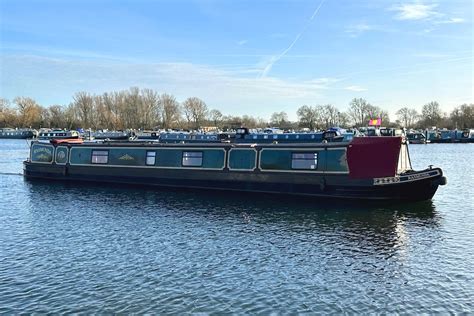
(248, 207)
(83, 247)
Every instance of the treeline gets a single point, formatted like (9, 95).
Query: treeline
(147, 109)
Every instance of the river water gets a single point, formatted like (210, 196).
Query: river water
(94, 248)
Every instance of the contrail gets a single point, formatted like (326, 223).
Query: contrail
(274, 59)
(317, 10)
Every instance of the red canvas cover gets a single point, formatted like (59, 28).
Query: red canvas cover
(373, 157)
(67, 141)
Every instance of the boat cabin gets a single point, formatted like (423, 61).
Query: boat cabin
(57, 134)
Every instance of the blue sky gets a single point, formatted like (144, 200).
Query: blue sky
(242, 57)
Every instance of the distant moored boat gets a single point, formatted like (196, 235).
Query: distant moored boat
(112, 135)
(23, 133)
(416, 138)
(57, 134)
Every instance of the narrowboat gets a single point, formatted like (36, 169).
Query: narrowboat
(57, 134)
(432, 135)
(372, 131)
(465, 136)
(450, 136)
(334, 134)
(185, 137)
(384, 131)
(23, 133)
(112, 135)
(416, 138)
(444, 136)
(366, 168)
(147, 135)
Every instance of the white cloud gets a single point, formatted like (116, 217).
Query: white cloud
(357, 29)
(233, 91)
(242, 42)
(452, 21)
(415, 11)
(355, 88)
(425, 12)
(324, 82)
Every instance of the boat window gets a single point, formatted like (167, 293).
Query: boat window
(192, 158)
(150, 158)
(304, 160)
(100, 156)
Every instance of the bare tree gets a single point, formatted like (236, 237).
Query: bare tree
(84, 105)
(195, 111)
(132, 108)
(56, 116)
(29, 112)
(342, 119)
(4, 104)
(359, 111)
(144, 108)
(8, 116)
(329, 115)
(260, 122)
(407, 117)
(120, 104)
(70, 117)
(111, 108)
(171, 110)
(249, 121)
(150, 103)
(432, 114)
(463, 116)
(279, 119)
(216, 117)
(102, 117)
(307, 116)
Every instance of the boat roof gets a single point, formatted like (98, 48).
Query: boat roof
(207, 145)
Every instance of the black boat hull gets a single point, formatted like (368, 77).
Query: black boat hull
(416, 186)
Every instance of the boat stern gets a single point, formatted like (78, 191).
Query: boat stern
(413, 185)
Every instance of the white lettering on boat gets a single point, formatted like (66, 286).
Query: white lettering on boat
(406, 178)
(42, 150)
(419, 176)
(380, 181)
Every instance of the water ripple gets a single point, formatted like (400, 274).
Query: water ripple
(88, 248)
